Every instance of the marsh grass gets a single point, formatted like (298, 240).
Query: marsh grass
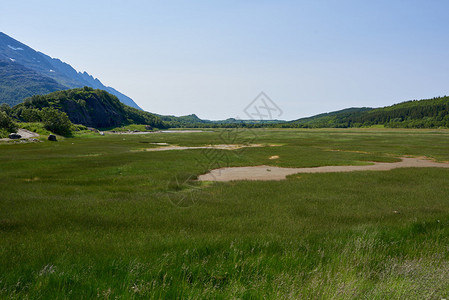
(88, 218)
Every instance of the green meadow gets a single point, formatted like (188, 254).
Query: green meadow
(99, 217)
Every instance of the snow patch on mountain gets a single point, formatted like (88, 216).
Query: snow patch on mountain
(15, 49)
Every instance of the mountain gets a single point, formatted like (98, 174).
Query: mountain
(18, 83)
(62, 73)
(426, 113)
(86, 106)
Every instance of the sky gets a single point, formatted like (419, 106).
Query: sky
(212, 58)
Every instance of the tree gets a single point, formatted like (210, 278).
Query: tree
(56, 121)
(6, 108)
(7, 123)
(30, 115)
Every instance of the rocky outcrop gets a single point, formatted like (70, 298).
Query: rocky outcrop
(15, 136)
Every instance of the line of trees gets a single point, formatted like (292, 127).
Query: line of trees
(53, 120)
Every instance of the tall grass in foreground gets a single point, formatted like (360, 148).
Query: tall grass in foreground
(94, 220)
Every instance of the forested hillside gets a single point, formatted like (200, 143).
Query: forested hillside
(86, 106)
(428, 113)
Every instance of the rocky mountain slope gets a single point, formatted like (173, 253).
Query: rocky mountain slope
(63, 75)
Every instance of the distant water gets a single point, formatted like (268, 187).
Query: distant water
(160, 131)
(183, 131)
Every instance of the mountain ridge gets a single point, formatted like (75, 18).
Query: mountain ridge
(18, 82)
(63, 73)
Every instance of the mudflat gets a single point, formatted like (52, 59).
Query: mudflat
(278, 173)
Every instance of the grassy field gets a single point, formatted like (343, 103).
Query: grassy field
(98, 217)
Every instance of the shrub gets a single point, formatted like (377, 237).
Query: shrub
(29, 115)
(7, 123)
(56, 121)
(79, 127)
(6, 108)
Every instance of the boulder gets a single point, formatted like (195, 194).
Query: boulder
(15, 136)
(148, 127)
(52, 138)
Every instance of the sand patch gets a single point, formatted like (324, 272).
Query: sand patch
(278, 173)
(219, 147)
(25, 135)
(347, 151)
(31, 179)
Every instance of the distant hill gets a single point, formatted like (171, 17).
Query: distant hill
(194, 121)
(346, 111)
(62, 73)
(89, 107)
(331, 119)
(183, 121)
(427, 113)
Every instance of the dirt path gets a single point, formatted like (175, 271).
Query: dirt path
(278, 173)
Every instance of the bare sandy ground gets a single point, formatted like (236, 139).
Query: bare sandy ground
(220, 147)
(25, 134)
(277, 173)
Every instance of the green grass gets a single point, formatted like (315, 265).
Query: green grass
(87, 217)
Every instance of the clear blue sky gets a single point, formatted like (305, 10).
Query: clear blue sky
(213, 57)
